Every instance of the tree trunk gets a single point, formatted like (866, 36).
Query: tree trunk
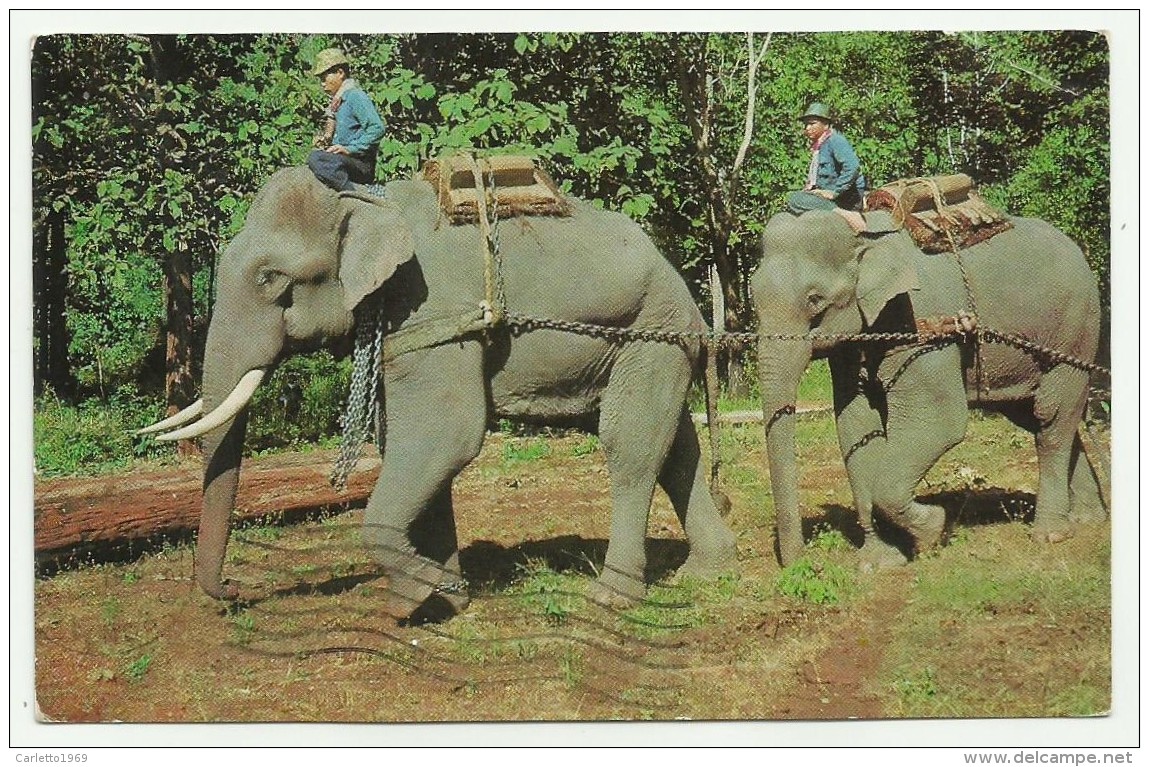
(49, 291)
(179, 384)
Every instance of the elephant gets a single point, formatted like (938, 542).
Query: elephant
(308, 259)
(900, 406)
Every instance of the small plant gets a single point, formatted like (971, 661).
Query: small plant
(243, 627)
(917, 688)
(516, 451)
(587, 446)
(827, 538)
(571, 664)
(138, 668)
(543, 590)
(132, 576)
(818, 583)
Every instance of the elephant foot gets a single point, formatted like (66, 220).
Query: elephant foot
(616, 590)
(411, 591)
(878, 555)
(714, 555)
(1046, 534)
(927, 525)
(708, 566)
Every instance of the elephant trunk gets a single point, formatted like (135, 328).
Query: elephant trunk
(781, 365)
(223, 451)
(229, 379)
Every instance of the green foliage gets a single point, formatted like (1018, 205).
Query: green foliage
(546, 592)
(153, 152)
(92, 437)
(588, 446)
(820, 583)
(828, 539)
(518, 451)
(300, 404)
(138, 668)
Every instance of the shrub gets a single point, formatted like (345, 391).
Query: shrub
(94, 436)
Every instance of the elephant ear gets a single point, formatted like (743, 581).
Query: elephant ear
(885, 269)
(373, 241)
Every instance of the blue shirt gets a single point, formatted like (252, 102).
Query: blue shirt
(839, 168)
(357, 125)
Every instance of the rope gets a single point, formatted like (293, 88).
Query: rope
(495, 307)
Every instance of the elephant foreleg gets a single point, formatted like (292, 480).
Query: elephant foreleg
(436, 419)
(862, 437)
(926, 416)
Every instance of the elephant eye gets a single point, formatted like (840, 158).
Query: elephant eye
(275, 284)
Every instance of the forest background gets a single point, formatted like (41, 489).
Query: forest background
(148, 148)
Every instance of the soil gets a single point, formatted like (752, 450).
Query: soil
(136, 641)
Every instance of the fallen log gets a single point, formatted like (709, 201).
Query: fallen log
(98, 518)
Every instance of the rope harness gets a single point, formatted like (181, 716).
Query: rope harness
(364, 412)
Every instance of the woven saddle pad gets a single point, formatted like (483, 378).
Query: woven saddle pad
(520, 187)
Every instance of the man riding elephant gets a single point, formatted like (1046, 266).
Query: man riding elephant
(834, 180)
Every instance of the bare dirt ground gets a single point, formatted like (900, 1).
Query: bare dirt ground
(136, 641)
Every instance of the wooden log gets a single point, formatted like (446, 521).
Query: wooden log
(919, 194)
(74, 517)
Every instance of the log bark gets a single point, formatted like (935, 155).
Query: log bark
(102, 517)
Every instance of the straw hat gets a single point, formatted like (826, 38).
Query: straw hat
(329, 59)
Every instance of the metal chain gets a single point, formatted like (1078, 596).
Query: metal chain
(362, 414)
(522, 323)
(972, 306)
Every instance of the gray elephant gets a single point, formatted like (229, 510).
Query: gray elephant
(307, 257)
(900, 406)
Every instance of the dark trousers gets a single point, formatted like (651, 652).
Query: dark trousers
(340, 171)
(800, 202)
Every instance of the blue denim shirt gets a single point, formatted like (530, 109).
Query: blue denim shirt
(839, 168)
(357, 125)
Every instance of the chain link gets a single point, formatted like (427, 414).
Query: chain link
(362, 414)
(522, 323)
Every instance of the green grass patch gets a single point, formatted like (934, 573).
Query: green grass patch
(550, 595)
(990, 622)
(816, 386)
(517, 451)
(817, 582)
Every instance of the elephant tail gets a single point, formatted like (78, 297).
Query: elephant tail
(710, 385)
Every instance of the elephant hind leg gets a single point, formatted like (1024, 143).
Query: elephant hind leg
(638, 420)
(1057, 408)
(712, 542)
(1086, 499)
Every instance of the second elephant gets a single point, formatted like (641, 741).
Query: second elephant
(900, 407)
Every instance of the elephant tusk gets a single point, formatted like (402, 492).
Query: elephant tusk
(227, 409)
(189, 413)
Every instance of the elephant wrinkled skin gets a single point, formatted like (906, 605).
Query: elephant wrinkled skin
(306, 257)
(899, 408)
